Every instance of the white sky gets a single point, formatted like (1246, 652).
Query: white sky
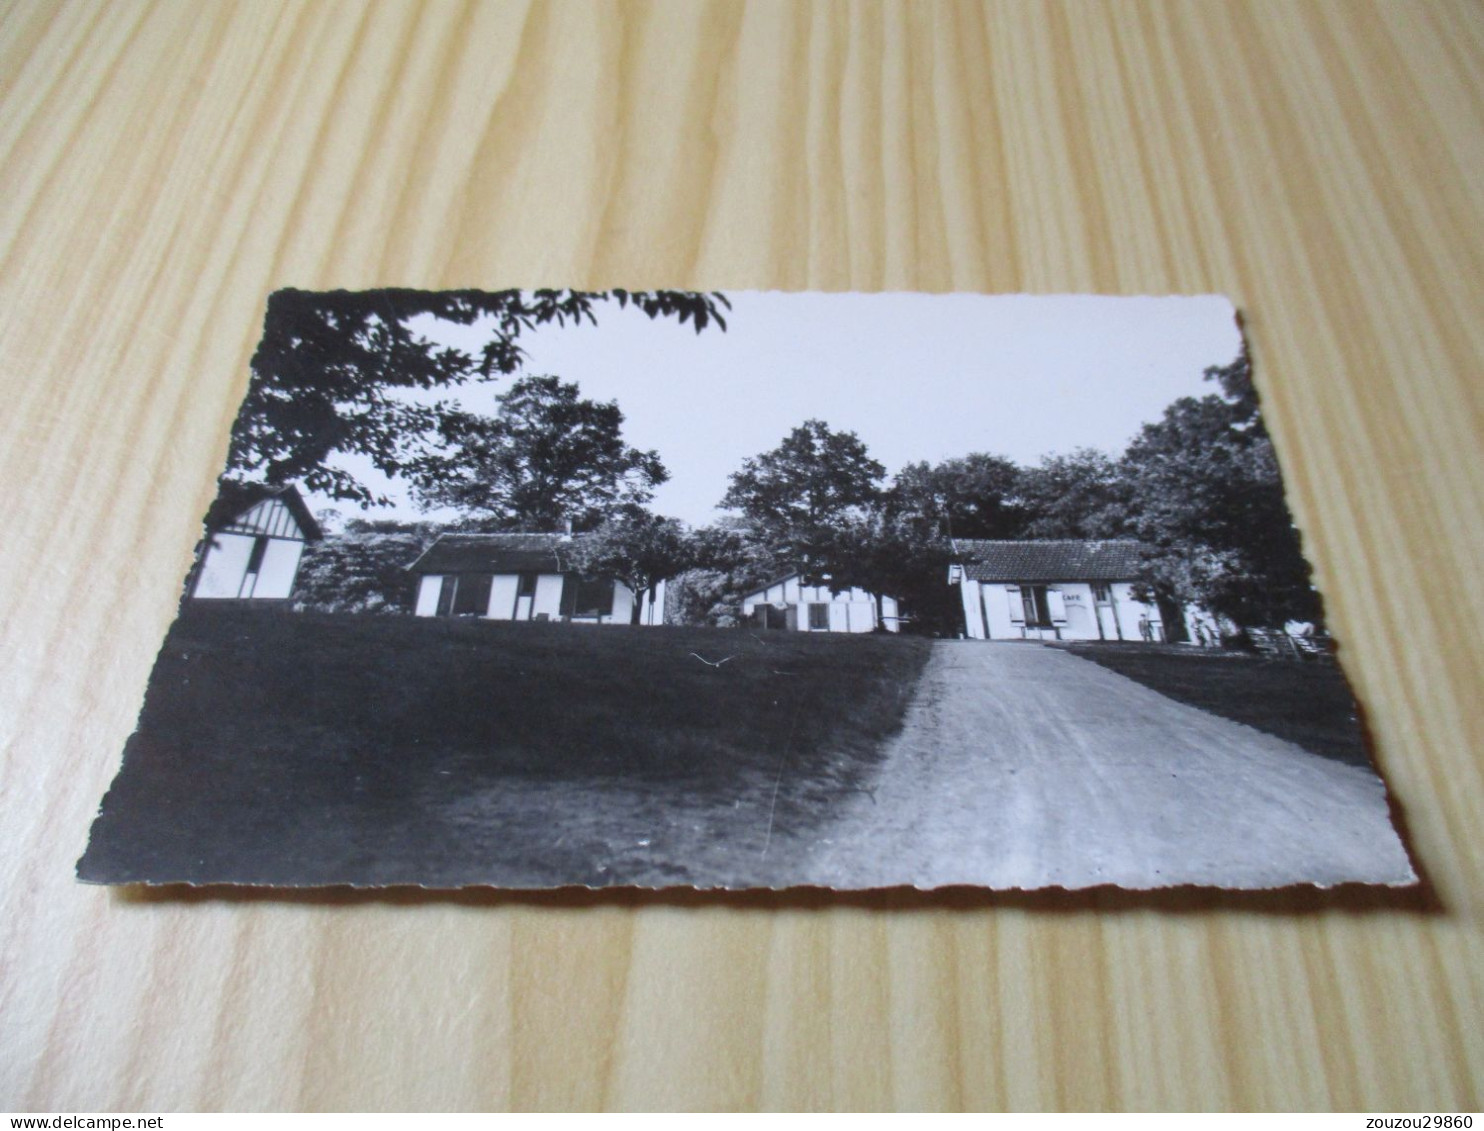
(918, 377)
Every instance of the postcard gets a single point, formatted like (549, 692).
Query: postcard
(547, 588)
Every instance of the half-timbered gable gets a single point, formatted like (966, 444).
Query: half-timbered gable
(255, 536)
(791, 603)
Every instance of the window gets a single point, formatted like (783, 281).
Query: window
(446, 593)
(594, 597)
(255, 559)
(473, 596)
(249, 581)
(1102, 592)
(527, 585)
(819, 617)
(1037, 608)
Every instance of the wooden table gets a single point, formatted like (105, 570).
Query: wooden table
(166, 165)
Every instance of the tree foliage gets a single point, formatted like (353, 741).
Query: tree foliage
(814, 505)
(973, 496)
(1080, 495)
(333, 371)
(1201, 487)
(886, 555)
(547, 457)
(727, 560)
(363, 570)
(1208, 497)
(798, 493)
(637, 548)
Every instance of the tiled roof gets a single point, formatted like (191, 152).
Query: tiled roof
(1051, 560)
(494, 553)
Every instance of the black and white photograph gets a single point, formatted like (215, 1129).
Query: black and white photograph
(548, 588)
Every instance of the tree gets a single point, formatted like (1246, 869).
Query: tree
(727, 560)
(363, 570)
(974, 496)
(806, 486)
(1208, 497)
(1081, 495)
(637, 548)
(547, 457)
(891, 555)
(702, 597)
(333, 371)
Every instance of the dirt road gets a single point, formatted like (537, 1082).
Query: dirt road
(1020, 766)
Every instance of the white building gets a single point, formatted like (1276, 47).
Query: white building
(791, 604)
(1054, 590)
(523, 577)
(255, 536)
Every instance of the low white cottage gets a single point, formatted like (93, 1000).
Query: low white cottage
(1053, 590)
(791, 604)
(255, 536)
(523, 577)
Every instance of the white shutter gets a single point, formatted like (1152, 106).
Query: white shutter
(1017, 609)
(1058, 605)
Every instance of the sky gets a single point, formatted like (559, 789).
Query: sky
(917, 377)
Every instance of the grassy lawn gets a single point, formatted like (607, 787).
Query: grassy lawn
(1309, 704)
(317, 748)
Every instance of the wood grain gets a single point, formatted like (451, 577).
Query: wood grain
(165, 165)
